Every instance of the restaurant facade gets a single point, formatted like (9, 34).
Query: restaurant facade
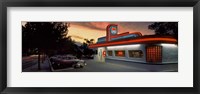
(135, 48)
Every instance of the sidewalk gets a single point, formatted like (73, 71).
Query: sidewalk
(45, 67)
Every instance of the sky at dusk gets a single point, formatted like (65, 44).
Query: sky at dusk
(93, 30)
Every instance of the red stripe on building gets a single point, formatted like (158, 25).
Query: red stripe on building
(134, 41)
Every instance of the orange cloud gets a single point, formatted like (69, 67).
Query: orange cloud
(79, 33)
(100, 25)
(93, 30)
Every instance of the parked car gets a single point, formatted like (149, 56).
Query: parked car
(66, 61)
(80, 63)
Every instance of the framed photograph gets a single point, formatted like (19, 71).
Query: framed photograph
(74, 46)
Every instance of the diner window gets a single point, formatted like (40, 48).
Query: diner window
(120, 53)
(154, 54)
(110, 53)
(135, 53)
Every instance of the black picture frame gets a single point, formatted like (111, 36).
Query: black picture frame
(100, 3)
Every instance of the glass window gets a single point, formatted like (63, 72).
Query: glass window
(154, 54)
(135, 53)
(110, 53)
(120, 53)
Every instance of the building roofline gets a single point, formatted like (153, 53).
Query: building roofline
(138, 40)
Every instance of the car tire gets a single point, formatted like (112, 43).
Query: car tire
(74, 66)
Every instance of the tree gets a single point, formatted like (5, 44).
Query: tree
(86, 50)
(43, 36)
(68, 45)
(88, 42)
(165, 28)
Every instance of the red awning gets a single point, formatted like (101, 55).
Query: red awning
(141, 40)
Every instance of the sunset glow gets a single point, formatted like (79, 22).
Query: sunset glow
(93, 30)
(79, 33)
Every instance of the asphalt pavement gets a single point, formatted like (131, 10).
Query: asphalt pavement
(119, 66)
(30, 64)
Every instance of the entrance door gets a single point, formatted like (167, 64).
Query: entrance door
(100, 54)
(154, 54)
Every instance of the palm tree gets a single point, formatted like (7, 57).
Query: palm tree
(91, 41)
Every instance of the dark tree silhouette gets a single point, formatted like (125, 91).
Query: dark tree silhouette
(88, 42)
(68, 45)
(42, 37)
(165, 28)
(86, 50)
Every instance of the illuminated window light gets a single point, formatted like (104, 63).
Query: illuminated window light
(169, 45)
(120, 53)
(124, 46)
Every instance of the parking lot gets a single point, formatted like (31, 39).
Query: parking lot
(119, 66)
(30, 64)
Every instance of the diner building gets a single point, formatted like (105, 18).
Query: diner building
(136, 48)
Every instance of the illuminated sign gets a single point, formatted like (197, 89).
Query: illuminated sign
(120, 53)
(110, 31)
(104, 53)
(112, 34)
(113, 30)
